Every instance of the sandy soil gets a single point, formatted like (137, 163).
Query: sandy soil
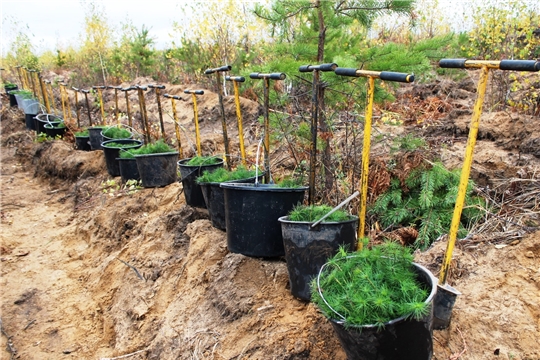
(91, 275)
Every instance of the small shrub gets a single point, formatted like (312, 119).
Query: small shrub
(82, 133)
(426, 200)
(312, 213)
(371, 286)
(222, 175)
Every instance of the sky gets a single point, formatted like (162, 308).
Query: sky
(55, 22)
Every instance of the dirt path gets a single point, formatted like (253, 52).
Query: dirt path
(41, 264)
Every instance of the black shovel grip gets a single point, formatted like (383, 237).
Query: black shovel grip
(272, 76)
(346, 71)
(173, 97)
(322, 67)
(143, 88)
(74, 88)
(520, 65)
(99, 87)
(395, 76)
(235, 78)
(196, 92)
(85, 91)
(222, 68)
(152, 86)
(452, 63)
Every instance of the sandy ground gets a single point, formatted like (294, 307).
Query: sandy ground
(90, 275)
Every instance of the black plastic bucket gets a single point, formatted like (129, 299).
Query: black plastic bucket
(157, 169)
(83, 143)
(112, 153)
(95, 137)
(12, 99)
(128, 169)
(53, 131)
(307, 249)
(8, 89)
(30, 121)
(400, 339)
(251, 217)
(189, 174)
(42, 119)
(214, 199)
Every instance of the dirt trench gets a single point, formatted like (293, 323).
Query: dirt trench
(87, 274)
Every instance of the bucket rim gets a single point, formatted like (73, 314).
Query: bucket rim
(261, 187)
(171, 153)
(124, 141)
(183, 161)
(285, 220)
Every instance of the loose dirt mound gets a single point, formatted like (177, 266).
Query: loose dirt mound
(89, 274)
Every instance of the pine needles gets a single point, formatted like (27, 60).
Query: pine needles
(221, 175)
(114, 132)
(154, 148)
(426, 201)
(371, 286)
(312, 213)
(203, 160)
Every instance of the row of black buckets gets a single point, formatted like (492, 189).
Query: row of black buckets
(254, 217)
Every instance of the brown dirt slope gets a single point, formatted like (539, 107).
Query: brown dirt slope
(89, 274)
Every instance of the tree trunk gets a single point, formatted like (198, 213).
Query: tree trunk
(326, 135)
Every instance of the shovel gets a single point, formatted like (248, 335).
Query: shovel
(314, 121)
(218, 72)
(267, 78)
(63, 95)
(196, 117)
(371, 75)
(100, 97)
(144, 114)
(235, 80)
(128, 110)
(116, 110)
(176, 125)
(77, 110)
(446, 295)
(160, 112)
(86, 92)
(44, 93)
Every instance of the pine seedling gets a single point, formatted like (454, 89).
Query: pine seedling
(370, 287)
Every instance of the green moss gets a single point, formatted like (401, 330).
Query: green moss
(371, 286)
(221, 175)
(114, 132)
(312, 213)
(203, 160)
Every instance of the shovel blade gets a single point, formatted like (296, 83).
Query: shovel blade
(442, 306)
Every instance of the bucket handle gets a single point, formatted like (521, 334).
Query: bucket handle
(343, 203)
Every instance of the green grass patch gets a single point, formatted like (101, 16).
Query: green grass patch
(312, 213)
(203, 160)
(371, 286)
(221, 175)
